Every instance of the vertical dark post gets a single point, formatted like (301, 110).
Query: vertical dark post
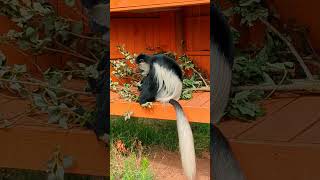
(99, 21)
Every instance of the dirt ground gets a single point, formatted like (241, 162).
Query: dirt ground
(167, 166)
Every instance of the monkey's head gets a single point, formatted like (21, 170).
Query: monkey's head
(143, 61)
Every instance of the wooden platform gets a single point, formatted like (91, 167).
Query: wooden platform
(283, 145)
(29, 144)
(196, 109)
(123, 5)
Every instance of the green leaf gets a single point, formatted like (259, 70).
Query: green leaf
(24, 45)
(15, 86)
(77, 27)
(70, 3)
(40, 8)
(54, 114)
(39, 101)
(30, 31)
(53, 96)
(20, 68)
(63, 122)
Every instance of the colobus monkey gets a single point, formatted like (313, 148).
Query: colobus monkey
(99, 20)
(223, 166)
(163, 82)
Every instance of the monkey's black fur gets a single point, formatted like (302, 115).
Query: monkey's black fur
(221, 34)
(100, 86)
(224, 166)
(149, 85)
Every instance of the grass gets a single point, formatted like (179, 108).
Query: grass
(156, 133)
(128, 162)
(129, 167)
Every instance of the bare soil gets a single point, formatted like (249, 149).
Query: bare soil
(166, 165)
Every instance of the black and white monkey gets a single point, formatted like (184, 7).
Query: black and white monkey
(224, 166)
(162, 82)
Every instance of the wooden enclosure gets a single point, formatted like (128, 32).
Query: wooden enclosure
(177, 26)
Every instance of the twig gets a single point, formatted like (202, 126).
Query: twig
(69, 53)
(282, 80)
(291, 47)
(307, 85)
(200, 89)
(43, 84)
(93, 55)
(199, 74)
(9, 97)
(85, 37)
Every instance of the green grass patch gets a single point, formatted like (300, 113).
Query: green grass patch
(129, 166)
(157, 133)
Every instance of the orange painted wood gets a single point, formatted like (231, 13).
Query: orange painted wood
(234, 129)
(310, 135)
(164, 30)
(194, 112)
(125, 5)
(30, 143)
(301, 13)
(277, 161)
(287, 123)
(282, 145)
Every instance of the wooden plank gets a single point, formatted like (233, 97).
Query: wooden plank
(281, 161)
(234, 128)
(311, 135)
(124, 5)
(28, 147)
(194, 113)
(288, 122)
(30, 141)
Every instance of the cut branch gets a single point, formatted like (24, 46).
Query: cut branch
(200, 89)
(70, 53)
(310, 86)
(199, 74)
(291, 47)
(43, 84)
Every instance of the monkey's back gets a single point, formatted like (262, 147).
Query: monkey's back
(167, 63)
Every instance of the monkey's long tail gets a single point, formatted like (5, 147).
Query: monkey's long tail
(186, 145)
(225, 166)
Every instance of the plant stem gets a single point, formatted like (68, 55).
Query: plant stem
(69, 53)
(199, 89)
(282, 80)
(43, 84)
(307, 85)
(199, 74)
(291, 47)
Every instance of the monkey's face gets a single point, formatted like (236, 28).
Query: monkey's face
(144, 67)
(143, 62)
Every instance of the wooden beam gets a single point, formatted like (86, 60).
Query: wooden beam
(30, 147)
(197, 109)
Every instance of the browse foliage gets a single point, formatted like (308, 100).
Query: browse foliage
(40, 30)
(274, 64)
